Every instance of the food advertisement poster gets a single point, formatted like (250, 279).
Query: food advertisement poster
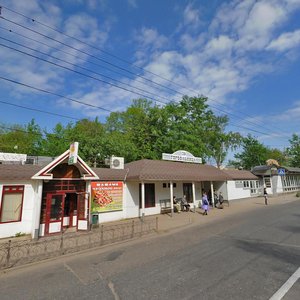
(107, 196)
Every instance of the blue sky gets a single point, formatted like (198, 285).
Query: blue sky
(243, 55)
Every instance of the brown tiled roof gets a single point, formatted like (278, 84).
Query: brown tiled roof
(110, 174)
(167, 170)
(18, 172)
(240, 175)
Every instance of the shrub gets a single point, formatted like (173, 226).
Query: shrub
(298, 194)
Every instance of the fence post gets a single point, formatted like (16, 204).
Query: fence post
(61, 244)
(132, 229)
(8, 253)
(101, 236)
(156, 224)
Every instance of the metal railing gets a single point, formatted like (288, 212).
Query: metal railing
(15, 253)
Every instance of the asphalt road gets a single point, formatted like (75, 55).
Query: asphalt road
(248, 256)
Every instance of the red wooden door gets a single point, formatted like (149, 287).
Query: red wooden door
(54, 210)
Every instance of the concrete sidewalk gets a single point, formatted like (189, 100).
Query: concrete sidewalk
(167, 222)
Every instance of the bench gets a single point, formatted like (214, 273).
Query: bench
(165, 206)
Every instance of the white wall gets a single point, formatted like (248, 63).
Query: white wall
(236, 193)
(25, 225)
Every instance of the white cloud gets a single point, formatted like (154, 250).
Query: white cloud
(132, 3)
(191, 16)
(149, 37)
(286, 41)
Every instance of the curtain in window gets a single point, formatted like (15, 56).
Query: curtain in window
(11, 207)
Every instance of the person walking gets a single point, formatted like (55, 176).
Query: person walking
(266, 196)
(205, 204)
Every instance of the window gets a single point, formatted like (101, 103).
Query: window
(165, 185)
(239, 184)
(246, 184)
(267, 182)
(149, 195)
(11, 204)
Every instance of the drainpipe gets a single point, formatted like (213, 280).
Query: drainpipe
(38, 191)
(143, 201)
(212, 194)
(171, 198)
(194, 196)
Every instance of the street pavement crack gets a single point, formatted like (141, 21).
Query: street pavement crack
(73, 272)
(112, 288)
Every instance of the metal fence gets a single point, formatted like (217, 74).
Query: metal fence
(14, 252)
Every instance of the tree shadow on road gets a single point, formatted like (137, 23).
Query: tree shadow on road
(290, 255)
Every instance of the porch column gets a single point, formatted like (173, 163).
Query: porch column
(143, 201)
(38, 190)
(212, 194)
(194, 196)
(171, 198)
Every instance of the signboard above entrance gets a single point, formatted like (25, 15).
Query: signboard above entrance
(182, 155)
(73, 153)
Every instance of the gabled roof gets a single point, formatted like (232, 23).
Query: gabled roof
(240, 175)
(159, 170)
(85, 170)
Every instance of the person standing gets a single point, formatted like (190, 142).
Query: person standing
(266, 196)
(205, 203)
(221, 200)
(176, 205)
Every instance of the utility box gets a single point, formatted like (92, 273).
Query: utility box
(95, 219)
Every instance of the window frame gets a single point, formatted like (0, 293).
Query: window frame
(12, 189)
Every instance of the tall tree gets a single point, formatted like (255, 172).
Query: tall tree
(25, 139)
(91, 138)
(219, 141)
(253, 154)
(294, 151)
(58, 141)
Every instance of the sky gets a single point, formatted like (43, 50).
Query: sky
(62, 61)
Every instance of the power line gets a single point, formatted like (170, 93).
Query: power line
(39, 110)
(48, 92)
(80, 73)
(84, 52)
(83, 68)
(52, 93)
(70, 54)
(94, 47)
(55, 29)
(24, 27)
(74, 48)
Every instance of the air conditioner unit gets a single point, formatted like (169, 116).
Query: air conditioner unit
(117, 162)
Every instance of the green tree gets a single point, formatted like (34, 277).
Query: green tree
(58, 141)
(220, 142)
(253, 154)
(294, 151)
(25, 139)
(91, 138)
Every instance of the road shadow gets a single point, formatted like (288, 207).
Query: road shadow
(292, 229)
(290, 255)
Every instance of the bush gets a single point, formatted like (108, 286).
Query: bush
(298, 194)
(18, 234)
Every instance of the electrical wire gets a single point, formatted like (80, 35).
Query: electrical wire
(24, 27)
(52, 93)
(38, 110)
(55, 29)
